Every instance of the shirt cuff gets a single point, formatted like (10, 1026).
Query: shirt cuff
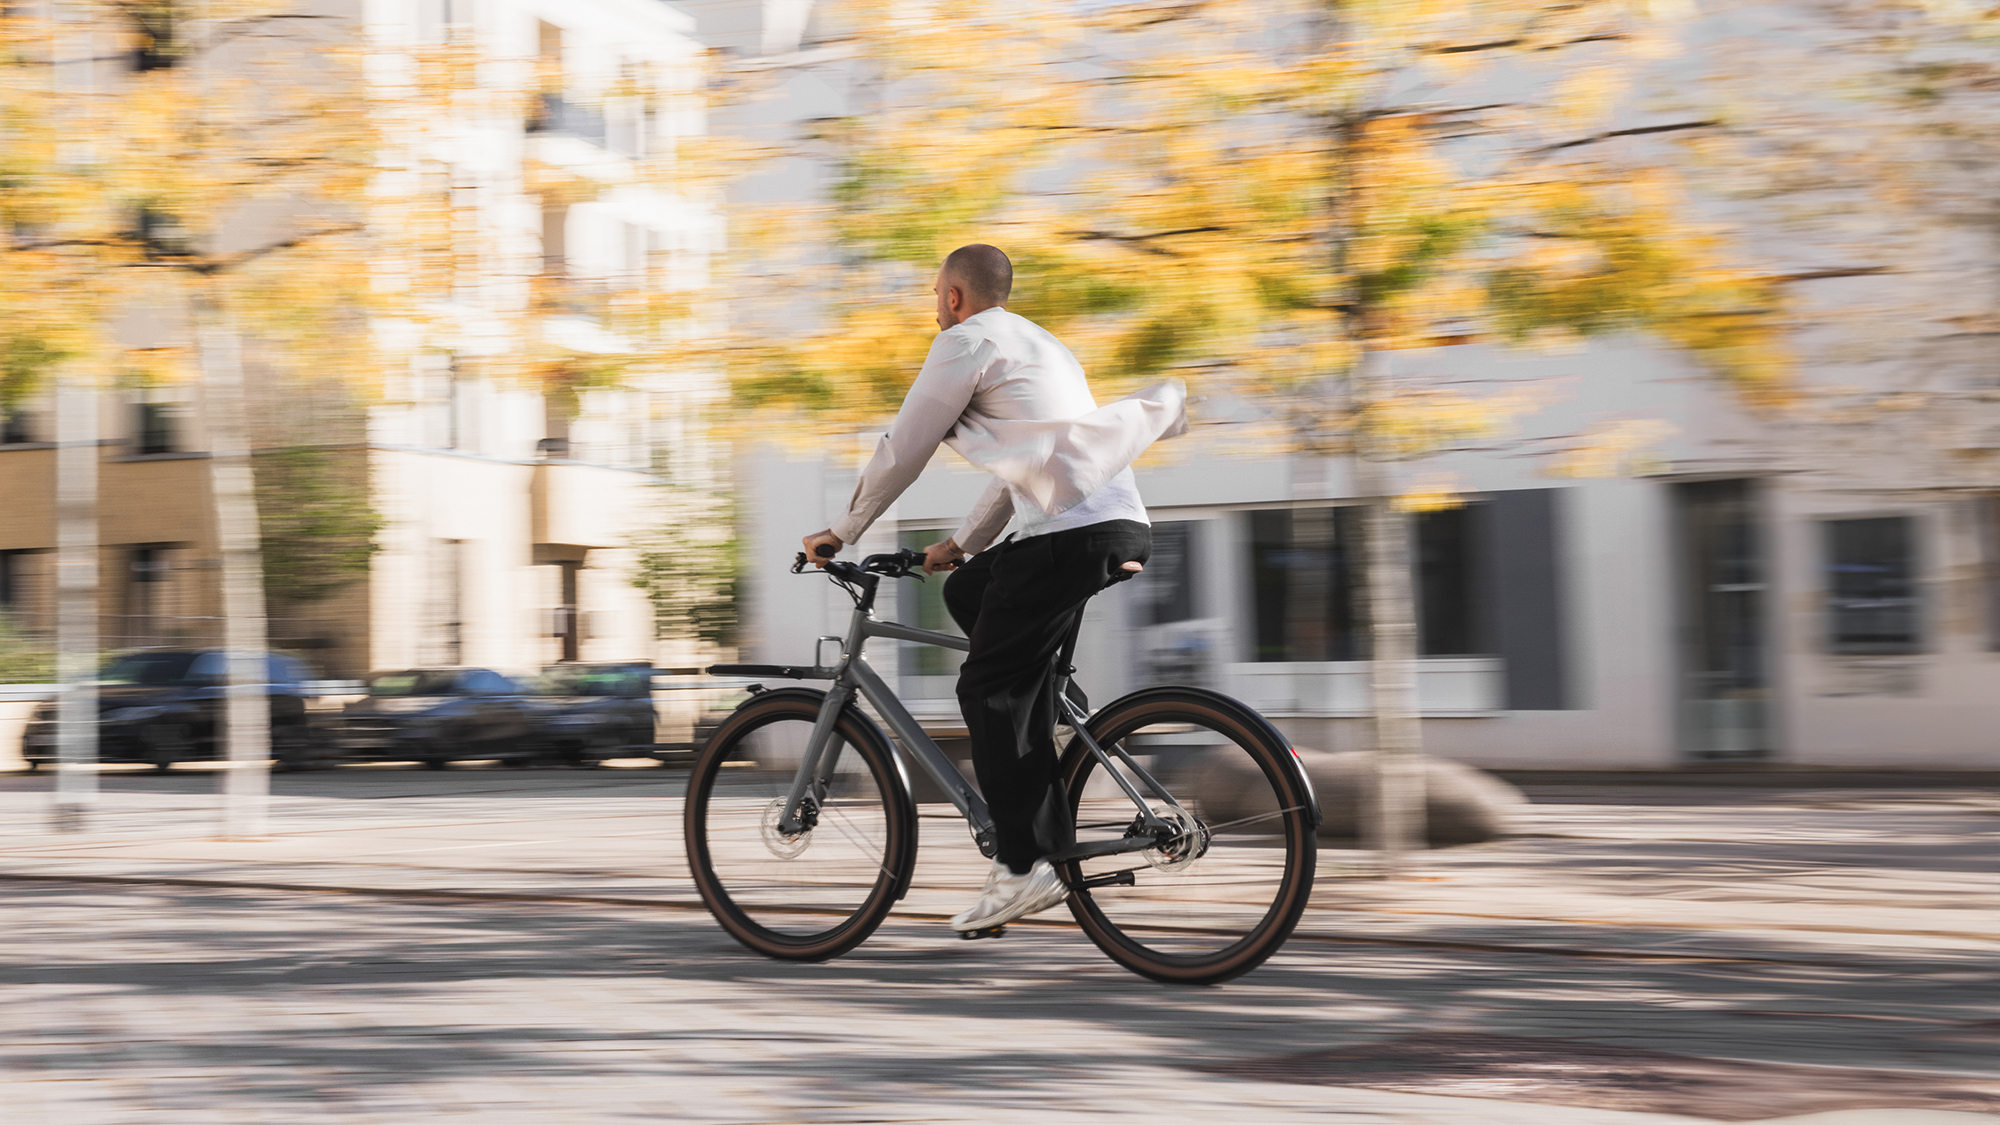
(850, 528)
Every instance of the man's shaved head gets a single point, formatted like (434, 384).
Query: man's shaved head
(982, 271)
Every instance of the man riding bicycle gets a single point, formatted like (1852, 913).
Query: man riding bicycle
(1010, 398)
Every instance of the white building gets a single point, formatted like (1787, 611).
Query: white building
(511, 494)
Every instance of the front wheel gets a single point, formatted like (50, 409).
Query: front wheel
(1217, 900)
(815, 894)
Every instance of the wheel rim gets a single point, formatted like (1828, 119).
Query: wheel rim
(1181, 912)
(793, 888)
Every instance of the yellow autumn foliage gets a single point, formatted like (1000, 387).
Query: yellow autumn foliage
(1233, 192)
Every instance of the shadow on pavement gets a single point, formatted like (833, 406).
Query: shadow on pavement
(353, 994)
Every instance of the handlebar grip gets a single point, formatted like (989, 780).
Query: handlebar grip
(826, 550)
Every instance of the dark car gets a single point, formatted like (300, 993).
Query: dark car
(590, 712)
(439, 715)
(159, 706)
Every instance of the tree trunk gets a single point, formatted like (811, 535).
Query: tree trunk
(247, 718)
(1397, 825)
(76, 601)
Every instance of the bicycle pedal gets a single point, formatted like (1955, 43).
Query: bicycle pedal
(990, 931)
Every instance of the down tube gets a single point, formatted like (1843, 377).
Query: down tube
(918, 745)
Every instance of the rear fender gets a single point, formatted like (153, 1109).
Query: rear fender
(1238, 710)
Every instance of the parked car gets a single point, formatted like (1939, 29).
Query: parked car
(590, 712)
(437, 716)
(159, 706)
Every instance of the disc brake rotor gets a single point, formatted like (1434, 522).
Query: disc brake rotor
(1190, 840)
(778, 842)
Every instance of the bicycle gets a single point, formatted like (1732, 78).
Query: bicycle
(802, 831)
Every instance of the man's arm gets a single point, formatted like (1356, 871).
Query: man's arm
(940, 394)
(988, 516)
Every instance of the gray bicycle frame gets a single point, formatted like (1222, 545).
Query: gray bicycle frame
(851, 675)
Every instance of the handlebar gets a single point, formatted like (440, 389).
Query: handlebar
(901, 564)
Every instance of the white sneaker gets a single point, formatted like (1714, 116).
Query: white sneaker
(1008, 896)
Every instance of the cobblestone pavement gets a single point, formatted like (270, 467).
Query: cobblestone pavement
(501, 946)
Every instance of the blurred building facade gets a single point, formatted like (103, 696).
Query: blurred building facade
(1721, 606)
(509, 504)
(1762, 588)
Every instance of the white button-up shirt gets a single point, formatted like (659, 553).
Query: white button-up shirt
(1011, 399)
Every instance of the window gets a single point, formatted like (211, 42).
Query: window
(1987, 512)
(152, 428)
(413, 682)
(1305, 572)
(1308, 567)
(155, 668)
(483, 682)
(17, 426)
(1448, 609)
(14, 580)
(1164, 591)
(922, 604)
(1872, 604)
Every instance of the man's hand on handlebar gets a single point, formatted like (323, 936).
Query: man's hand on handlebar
(821, 546)
(942, 556)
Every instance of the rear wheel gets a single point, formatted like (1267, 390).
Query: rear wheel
(1216, 900)
(818, 893)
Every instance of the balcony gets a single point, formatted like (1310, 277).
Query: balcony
(588, 506)
(554, 115)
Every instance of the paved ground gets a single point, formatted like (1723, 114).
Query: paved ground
(500, 946)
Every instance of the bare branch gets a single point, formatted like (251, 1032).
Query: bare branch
(214, 265)
(1637, 132)
(1108, 236)
(1822, 275)
(1503, 44)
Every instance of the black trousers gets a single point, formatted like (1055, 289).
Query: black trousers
(1018, 601)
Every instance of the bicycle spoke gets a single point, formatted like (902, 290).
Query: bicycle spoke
(790, 885)
(1214, 828)
(1202, 895)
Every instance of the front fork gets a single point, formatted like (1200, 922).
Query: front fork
(822, 756)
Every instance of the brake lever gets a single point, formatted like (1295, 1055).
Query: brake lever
(799, 564)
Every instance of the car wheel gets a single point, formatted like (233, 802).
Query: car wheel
(166, 744)
(291, 751)
(598, 750)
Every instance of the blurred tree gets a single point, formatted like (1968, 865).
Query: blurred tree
(193, 171)
(316, 526)
(24, 659)
(690, 566)
(1275, 196)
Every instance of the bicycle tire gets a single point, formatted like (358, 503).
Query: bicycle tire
(780, 919)
(1194, 925)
